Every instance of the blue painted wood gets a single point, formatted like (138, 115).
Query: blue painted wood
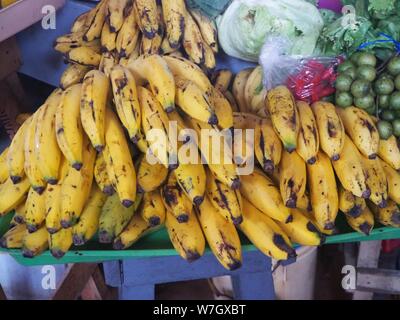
(254, 286)
(144, 292)
(113, 273)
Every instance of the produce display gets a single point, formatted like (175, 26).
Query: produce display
(84, 165)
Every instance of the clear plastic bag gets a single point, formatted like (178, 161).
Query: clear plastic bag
(308, 78)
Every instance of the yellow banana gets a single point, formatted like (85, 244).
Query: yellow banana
(389, 216)
(46, 139)
(350, 204)
(119, 160)
(166, 47)
(20, 211)
(115, 14)
(174, 17)
(95, 90)
(126, 100)
(187, 238)
(265, 234)
(376, 181)
(393, 181)
(221, 236)
(302, 230)
(282, 108)
(227, 201)
(11, 195)
(16, 154)
(150, 46)
(207, 28)
(229, 96)
(364, 223)
(323, 190)
(33, 244)
(330, 129)
(76, 187)
(69, 41)
(222, 79)
(193, 41)
(12, 239)
(350, 170)
(254, 87)
(128, 36)
(361, 129)
(304, 203)
(308, 140)
(101, 175)
(238, 88)
(147, 12)
(88, 222)
(192, 180)
(222, 108)
(389, 152)
(84, 56)
(209, 59)
(73, 74)
(96, 25)
(150, 177)
(81, 22)
(60, 242)
(293, 178)
(264, 195)
(153, 209)
(68, 126)
(35, 210)
(108, 39)
(108, 61)
(3, 166)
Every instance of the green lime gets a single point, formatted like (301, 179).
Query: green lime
(343, 82)
(366, 58)
(366, 72)
(360, 88)
(351, 72)
(385, 129)
(365, 102)
(395, 100)
(330, 98)
(345, 65)
(371, 111)
(388, 115)
(384, 101)
(384, 85)
(397, 82)
(396, 127)
(343, 99)
(355, 57)
(393, 66)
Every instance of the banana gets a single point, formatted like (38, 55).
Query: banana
(229, 96)
(192, 180)
(108, 39)
(221, 236)
(33, 244)
(192, 41)
(393, 181)
(22, 117)
(119, 160)
(221, 79)
(238, 88)
(128, 36)
(115, 14)
(267, 146)
(323, 190)
(60, 242)
(257, 104)
(175, 199)
(96, 25)
(3, 166)
(114, 217)
(12, 239)
(244, 120)
(282, 108)
(16, 154)
(254, 87)
(68, 126)
(264, 195)
(174, 18)
(136, 229)
(88, 222)
(31, 166)
(265, 234)
(153, 209)
(308, 140)
(330, 129)
(195, 102)
(35, 210)
(293, 178)
(209, 59)
(302, 230)
(148, 17)
(304, 203)
(53, 201)
(364, 223)
(166, 47)
(222, 108)
(207, 28)
(376, 181)
(361, 129)
(350, 204)
(389, 152)
(73, 74)
(95, 90)
(69, 41)
(150, 46)
(150, 177)
(101, 175)
(389, 216)
(350, 170)
(175, 117)
(46, 139)
(85, 56)
(187, 238)
(19, 216)
(81, 22)
(227, 201)
(108, 61)
(126, 100)
(76, 187)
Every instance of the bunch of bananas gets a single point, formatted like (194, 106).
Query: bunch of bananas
(118, 31)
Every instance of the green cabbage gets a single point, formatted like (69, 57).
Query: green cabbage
(245, 25)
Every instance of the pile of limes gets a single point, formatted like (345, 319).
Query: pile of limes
(359, 84)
